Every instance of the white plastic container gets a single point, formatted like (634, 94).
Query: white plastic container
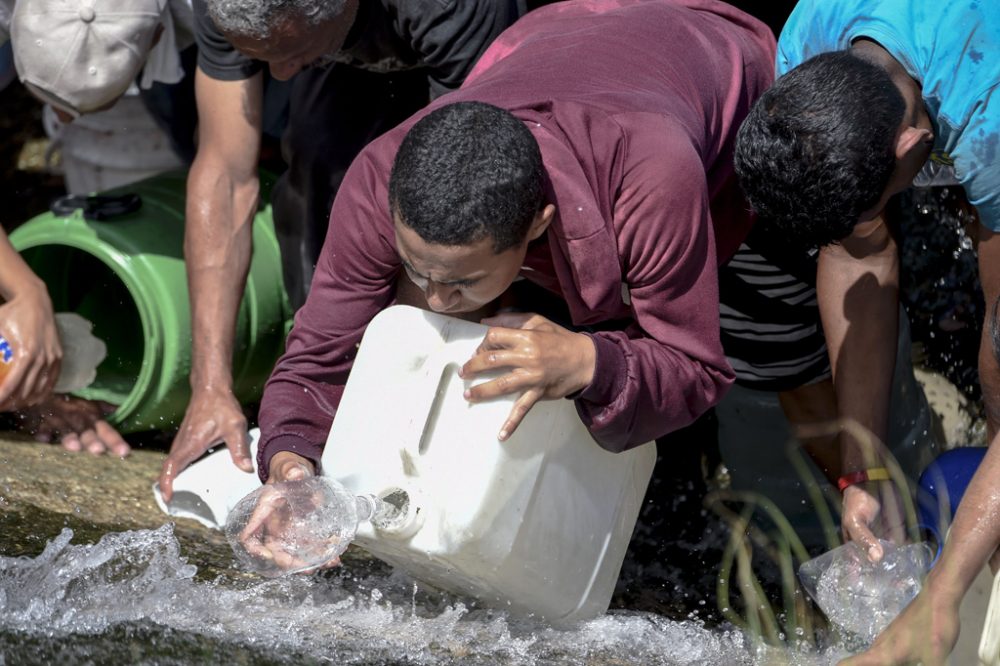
(538, 524)
(989, 645)
(209, 489)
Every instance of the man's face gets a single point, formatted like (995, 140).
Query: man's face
(295, 44)
(902, 177)
(457, 278)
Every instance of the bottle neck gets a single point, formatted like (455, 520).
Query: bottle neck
(391, 513)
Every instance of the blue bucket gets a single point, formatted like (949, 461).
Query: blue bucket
(941, 487)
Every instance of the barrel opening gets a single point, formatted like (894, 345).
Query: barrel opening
(80, 282)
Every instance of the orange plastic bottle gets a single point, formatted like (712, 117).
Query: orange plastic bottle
(6, 358)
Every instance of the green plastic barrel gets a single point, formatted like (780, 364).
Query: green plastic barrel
(127, 276)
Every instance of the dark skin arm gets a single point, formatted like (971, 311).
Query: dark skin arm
(218, 243)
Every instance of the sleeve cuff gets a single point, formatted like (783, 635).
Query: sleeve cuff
(609, 373)
(293, 443)
(237, 71)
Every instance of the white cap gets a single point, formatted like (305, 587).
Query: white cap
(82, 55)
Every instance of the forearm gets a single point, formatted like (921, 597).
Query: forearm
(643, 389)
(15, 277)
(218, 245)
(975, 532)
(858, 292)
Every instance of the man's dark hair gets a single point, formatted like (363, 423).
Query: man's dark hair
(818, 148)
(465, 172)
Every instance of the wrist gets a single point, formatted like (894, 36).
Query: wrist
(588, 362)
(30, 288)
(211, 384)
(288, 465)
(944, 587)
(856, 477)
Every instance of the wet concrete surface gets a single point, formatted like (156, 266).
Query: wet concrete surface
(44, 488)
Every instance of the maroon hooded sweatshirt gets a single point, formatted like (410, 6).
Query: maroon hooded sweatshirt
(635, 106)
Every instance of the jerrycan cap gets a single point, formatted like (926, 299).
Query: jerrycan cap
(408, 517)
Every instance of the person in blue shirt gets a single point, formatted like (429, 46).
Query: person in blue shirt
(873, 96)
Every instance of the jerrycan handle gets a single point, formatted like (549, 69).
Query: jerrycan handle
(448, 374)
(97, 207)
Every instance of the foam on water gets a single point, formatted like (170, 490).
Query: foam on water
(140, 578)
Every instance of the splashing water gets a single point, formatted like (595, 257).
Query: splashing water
(133, 592)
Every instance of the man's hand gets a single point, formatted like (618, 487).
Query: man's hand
(29, 325)
(875, 506)
(212, 416)
(288, 466)
(273, 527)
(79, 425)
(924, 633)
(544, 361)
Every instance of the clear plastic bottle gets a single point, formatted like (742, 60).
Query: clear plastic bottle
(82, 353)
(863, 597)
(294, 526)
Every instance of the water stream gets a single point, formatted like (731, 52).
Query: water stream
(132, 597)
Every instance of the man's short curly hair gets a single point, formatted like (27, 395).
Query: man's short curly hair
(818, 148)
(257, 19)
(468, 171)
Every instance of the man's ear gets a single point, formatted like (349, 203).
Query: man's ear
(542, 221)
(911, 139)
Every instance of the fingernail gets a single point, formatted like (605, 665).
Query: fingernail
(503, 435)
(467, 394)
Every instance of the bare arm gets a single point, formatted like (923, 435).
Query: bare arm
(222, 195)
(858, 290)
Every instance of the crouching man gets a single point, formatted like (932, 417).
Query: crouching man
(588, 153)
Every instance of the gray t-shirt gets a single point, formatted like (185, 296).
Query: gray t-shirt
(446, 37)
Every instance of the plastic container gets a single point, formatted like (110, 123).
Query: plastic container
(860, 596)
(538, 524)
(989, 644)
(210, 489)
(292, 526)
(110, 148)
(127, 276)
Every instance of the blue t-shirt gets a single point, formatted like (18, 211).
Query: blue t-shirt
(952, 47)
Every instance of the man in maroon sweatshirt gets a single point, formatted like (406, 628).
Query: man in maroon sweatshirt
(590, 153)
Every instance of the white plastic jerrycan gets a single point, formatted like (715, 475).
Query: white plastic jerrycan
(538, 523)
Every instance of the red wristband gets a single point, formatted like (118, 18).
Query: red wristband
(862, 475)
